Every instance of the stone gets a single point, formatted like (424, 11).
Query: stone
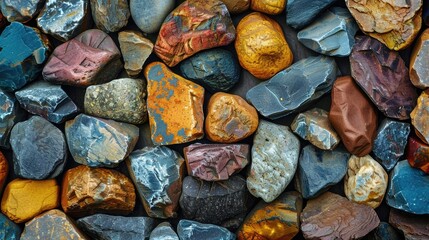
(408, 189)
(261, 46)
(98, 142)
(24, 199)
(353, 116)
(318, 170)
(275, 154)
(384, 232)
(305, 81)
(419, 74)
(149, 15)
(65, 20)
(10, 114)
(8, 229)
(86, 191)
(193, 26)
(4, 171)
(419, 115)
(191, 230)
(121, 99)
(426, 13)
(417, 154)
(110, 16)
(20, 10)
(331, 216)
(333, 34)
(411, 225)
(217, 70)
(53, 224)
(275, 220)
(390, 142)
(168, 92)
(90, 58)
(103, 226)
(3, 21)
(272, 7)
(135, 49)
(48, 101)
(230, 118)
(394, 23)
(215, 162)
(237, 6)
(383, 76)
(300, 13)
(163, 232)
(39, 149)
(23, 51)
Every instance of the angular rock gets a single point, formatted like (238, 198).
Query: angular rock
(301, 83)
(331, 216)
(384, 232)
(20, 10)
(168, 92)
(236, 6)
(272, 7)
(4, 171)
(195, 25)
(353, 116)
(135, 49)
(275, 151)
(300, 13)
(419, 117)
(383, 76)
(163, 232)
(412, 226)
(110, 16)
(149, 15)
(98, 142)
(419, 73)
(417, 154)
(10, 114)
(191, 230)
(8, 229)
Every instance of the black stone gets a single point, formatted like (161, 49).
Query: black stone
(426, 12)
(300, 13)
(384, 232)
(191, 230)
(10, 114)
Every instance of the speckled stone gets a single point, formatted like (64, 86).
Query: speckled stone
(417, 154)
(272, 7)
(419, 73)
(237, 6)
(419, 117)
(20, 10)
(163, 232)
(4, 172)
(414, 227)
(135, 49)
(10, 114)
(8, 229)
(191, 230)
(149, 15)
(384, 232)
(300, 13)
(110, 15)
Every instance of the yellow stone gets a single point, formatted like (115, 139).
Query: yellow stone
(272, 7)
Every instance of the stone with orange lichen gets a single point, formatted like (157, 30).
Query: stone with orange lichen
(4, 169)
(268, 6)
(237, 6)
(419, 117)
(261, 46)
(418, 154)
(24, 199)
(419, 71)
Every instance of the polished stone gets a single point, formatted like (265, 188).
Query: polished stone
(4, 172)
(237, 6)
(20, 10)
(191, 230)
(8, 229)
(419, 117)
(149, 15)
(414, 227)
(272, 7)
(10, 114)
(417, 154)
(110, 15)
(384, 231)
(163, 231)
(135, 49)
(300, 13)
(419, 72)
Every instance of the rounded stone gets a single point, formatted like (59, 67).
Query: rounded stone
(10, 114)
(419, 72)
(135, 49)
(419, 117)
(191, 230)
(110, 15)
(418, 154)
(272, 7)
(20, 10)
(4, 170)
(163, 231)
(149, 15)
(237, 6)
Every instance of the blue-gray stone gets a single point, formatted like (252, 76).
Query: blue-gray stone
(299, 13)
(149, 15)
(390, 142)
(301, 83)
(10, 114)
(110, 15)
(191, 230)
(163, 232)
(216, 70)
(384, 231)
(23, 50)
(408, 189)
(332, 34)
(8, 229)
(20, 10)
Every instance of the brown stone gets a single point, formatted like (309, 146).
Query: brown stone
(4, 169)
(331, 216)
(353, 116)
(272, 7)
(419, 117)
(415, 227)
(419, 71)
(86, 191)
(237, 6)
(418, 154)
(230, 118)
(135, 49)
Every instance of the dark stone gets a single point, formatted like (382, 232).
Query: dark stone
(39, 149)
(414, 227)
(300, 13)
(191, 230)
(384, 232)
(301, 83)
(216, 70)
(163, 232)
(426, 12)
(110, 16)
(149, 15)
(10, 114)
(20, 10)
(8, 229)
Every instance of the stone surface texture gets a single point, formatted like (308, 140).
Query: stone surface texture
(191, 230)
(20, 10)
(163, 231)
(135, 49)
(300, 13)
(10, 114)
(149, 15)
(415, 227)
(418, 154)
(272, 7)
(419, 117)
(237, 6)
(4, 172)
(8, 229)
(384, 231)
(419, 73)
(110, 15)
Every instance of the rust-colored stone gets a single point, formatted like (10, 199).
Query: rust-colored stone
(418, 154)
(414, 227)
(419, 70)
(237, 6)
(419, 117)
(4, 169)
(272, 7)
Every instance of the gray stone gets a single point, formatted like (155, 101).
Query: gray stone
(10, 114)
(8, 229)
(20, 10)
(191, 230)
(135, 49)
(300, 13)
(149, 15)
(110, 15)
(163, 232)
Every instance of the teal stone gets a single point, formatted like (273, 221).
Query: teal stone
(191, 230)
(8, 229)
(300, 13)
(10, 114)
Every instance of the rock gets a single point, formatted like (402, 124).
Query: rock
(276, 220)
(53, 224)
(237, 6)
(353, 116)
(163, 232)
(261, 47)
(331, 216)
(135, 49)
(102, 226)
(394, 23)
(149, 15)
(383, 76)
(275, 153)
(23, 51)
(384, 232)
(419, 115)
(191, 230)
(390, 142)
(110, 16)
(24, 199)
(417, 154)
(4, 170)
(426, 13)
(300, 13)
(86, 191)
(318, 170)
(98, 142)
(272, 7)
(88, 59)
(408, 189)
(166, 93)
(195, 25)
(332, 34)
(230, 118)
(419, 74)
(301, 83)
(20, 10)
(215, 162)
(8, 229)
(3, 21)
(10, 114)
(217, 70)
(48, 101)
(122, 99)
(413, 226)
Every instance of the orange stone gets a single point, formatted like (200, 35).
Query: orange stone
(419, 117)
(4, 169)
(236, 6)
(272, 7)
(419, 70)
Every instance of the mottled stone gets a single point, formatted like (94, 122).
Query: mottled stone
(414, 227)
(419, 72)
(419, 117)
(272, 7)
(135, 49)
(418, 154)
(384, 232)
(110, 15)
(301, 83)
(10, 114)
(390, 142)
(4, 171)
(275, 153)
(48, 101)
(331, 216)
(408, 189)
(237, 6)
(8, 229)
(195, 25)
(394, 23)
(24, 199)
(383, 76)
(299, 13)
(353, 116)
(163, 232)
(122, 99)
(23, 51)
(20, 10)
(191, 230)
(168, 92)
(216, 70)
(149, 15)
(86, 191)
(90, 58)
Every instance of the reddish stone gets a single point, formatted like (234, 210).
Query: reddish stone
(3, 21)
(413, 226)
(418, 154)
(4, 169)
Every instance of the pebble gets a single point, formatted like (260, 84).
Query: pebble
(384, 231)
(419, 73)
(272, 7)
(191, 230)
(110, 15)
(4, 172)
(415, 227)
(20, 10)
(10, 114)
(163, 232)
(135, 49)
(8, 229)
(237, 6)
(275, 154)
(300, 13)
(417, 154)
(149, 15)
(419, 117)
